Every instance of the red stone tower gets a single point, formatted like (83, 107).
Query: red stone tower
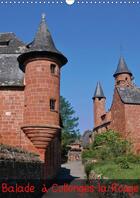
(99, 105)
(123, 76)
(42, 63)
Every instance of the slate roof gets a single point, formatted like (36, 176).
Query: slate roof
(98, 91)
(10, 48)
(85, 138)
(10, 44)
(42, 45)
(129, 95)
(122, 67)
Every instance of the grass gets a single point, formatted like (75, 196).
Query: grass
(113, 171)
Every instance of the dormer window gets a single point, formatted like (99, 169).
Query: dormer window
(53, 68)
(52, 104)
(4, 43)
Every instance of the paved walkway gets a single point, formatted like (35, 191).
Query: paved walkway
(71, 173)
(76, 169)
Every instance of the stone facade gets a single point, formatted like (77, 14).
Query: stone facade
(75, 151)
(124, 114)
(29, 96)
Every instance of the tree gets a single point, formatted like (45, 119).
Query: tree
(70, 132)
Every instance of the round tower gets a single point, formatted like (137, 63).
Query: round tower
(42, 63)
(99, 105)
(123, 76)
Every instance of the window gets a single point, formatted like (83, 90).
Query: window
(4, 43)
(53, 68)
(103, 117)
(52, 104)
(118, 82)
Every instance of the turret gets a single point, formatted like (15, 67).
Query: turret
(99, 105)
(123, 76)
(41, 63)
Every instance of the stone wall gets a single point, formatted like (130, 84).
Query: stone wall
(133, 125)
(117, 114)
(11, 118)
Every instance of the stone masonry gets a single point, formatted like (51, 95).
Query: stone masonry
(124, 114)
(29, 96)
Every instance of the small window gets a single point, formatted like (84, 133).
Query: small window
(52, 104)
(4, 43)
(53, 68)
(118, 82)
(103, 117)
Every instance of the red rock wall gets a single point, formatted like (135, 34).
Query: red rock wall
(132, 114)
(99, 110)
(11, 118)
(117, 114)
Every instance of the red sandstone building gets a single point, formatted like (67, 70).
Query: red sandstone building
(29, 96)
(75, 151)
(124, 114)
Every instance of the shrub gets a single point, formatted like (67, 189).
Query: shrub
(120, 147)
(88, 169)
(122, 162)
(103, 153)
(133, 158)
(88, 154)
(106, 137)
(110, 144)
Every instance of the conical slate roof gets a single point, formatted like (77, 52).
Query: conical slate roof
(122, 68)
(98, 92)
(43, 45)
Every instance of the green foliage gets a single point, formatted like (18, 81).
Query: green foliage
(70, 132)
(133, 158)
(70, 122)
(113, 155)
(122, 162)
(88, 154)
(110, 144)
(105, 138)
(88, 169)
(104, 153)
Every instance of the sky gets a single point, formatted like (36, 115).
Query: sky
(90, 36)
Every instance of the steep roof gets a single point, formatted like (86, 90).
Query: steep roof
(98, 91)
(129, 95)
(10, 48)
(10, 44)
(122, 68)
(43, 44)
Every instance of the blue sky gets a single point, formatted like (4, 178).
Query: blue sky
(90, 36)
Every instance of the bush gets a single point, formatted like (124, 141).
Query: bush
(106, 137)
(109, 145)
(88, 154)
(133, 158)
(122, 162)
(88, 169)
(103, 153)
